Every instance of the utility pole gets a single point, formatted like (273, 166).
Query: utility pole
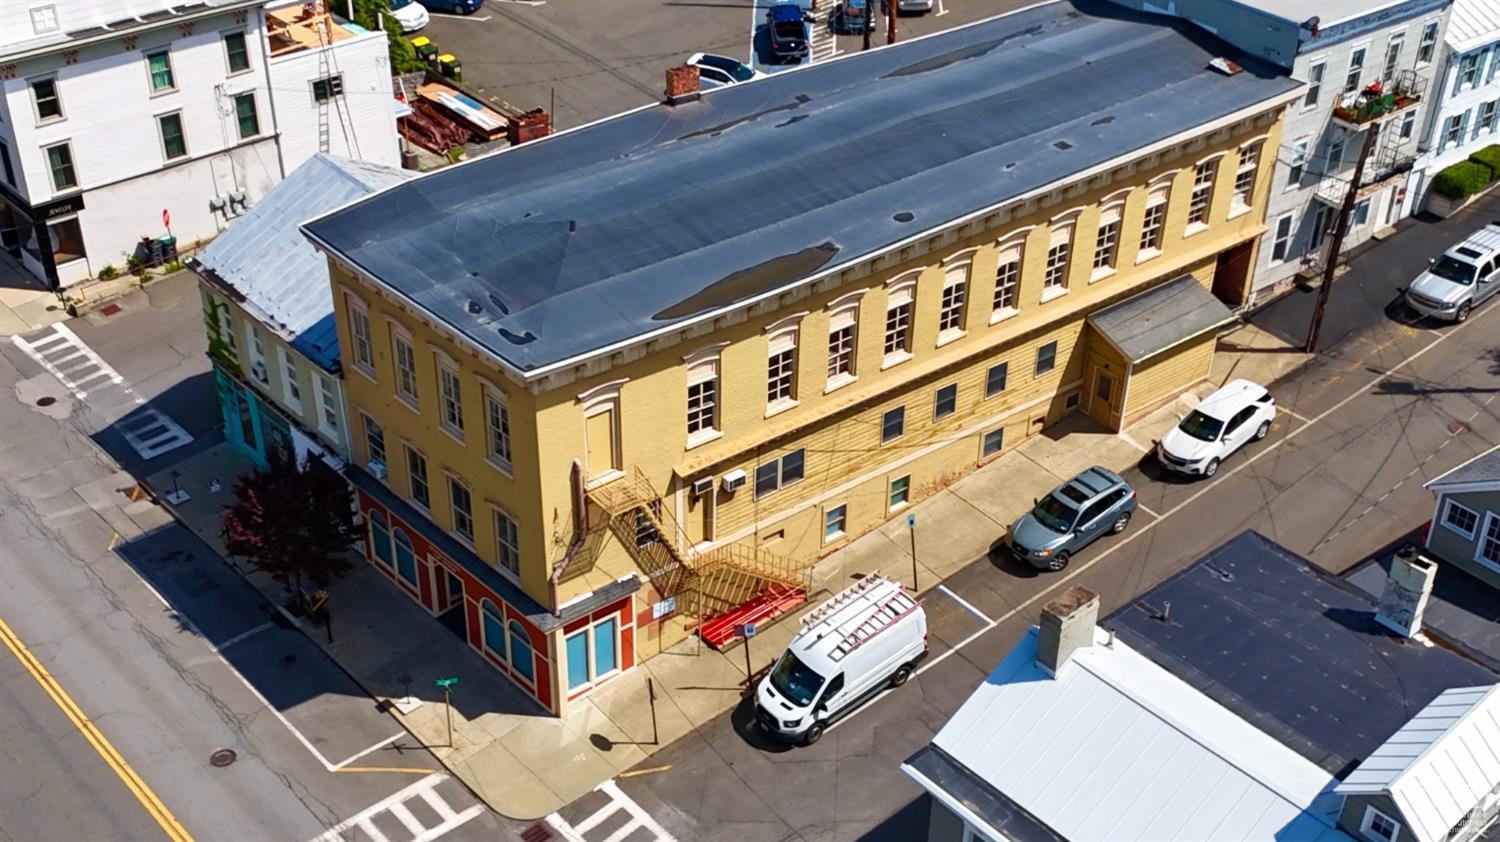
(869, 20)
(1340, 228)
(890, 23)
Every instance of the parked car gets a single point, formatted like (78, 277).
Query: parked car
(409, 14)
(786, 29)
(453, 7)
(1222, 423)
(865, 638)
(1463, 278)
(850, 15)
(1071, 516)
(913, 6)
(720, 71)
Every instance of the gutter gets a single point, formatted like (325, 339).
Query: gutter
(580, 531)
(109, 35)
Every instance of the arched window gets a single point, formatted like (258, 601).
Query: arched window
(520, 652)
(406, 558)
(380, 537)
(492, 628)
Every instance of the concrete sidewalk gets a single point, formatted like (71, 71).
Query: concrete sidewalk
(526, 763)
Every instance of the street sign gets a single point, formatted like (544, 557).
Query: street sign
(911, 521)
(747, 630)
(166, 218)
(663, 608)
(445, 683)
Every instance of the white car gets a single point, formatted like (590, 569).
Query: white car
(914, 5)
(1239, 412)
(410, 14)
(719, 71)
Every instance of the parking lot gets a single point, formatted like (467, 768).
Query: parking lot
(585, 60)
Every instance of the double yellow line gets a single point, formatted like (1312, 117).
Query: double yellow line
(169, 824)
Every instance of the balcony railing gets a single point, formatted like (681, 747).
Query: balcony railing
(1380, 100)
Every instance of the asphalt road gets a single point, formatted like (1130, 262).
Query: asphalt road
(1387, 406)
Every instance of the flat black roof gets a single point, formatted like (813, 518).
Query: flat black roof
(1462, 610)
(1291, 649)
(557, 248)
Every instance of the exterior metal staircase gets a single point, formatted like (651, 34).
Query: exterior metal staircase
(706, 583)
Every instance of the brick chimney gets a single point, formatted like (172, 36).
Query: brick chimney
(1067, 625)
(682, 84)
(529, 126)
(1406, 591)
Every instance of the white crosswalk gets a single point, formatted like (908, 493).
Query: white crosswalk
(151, 433)
(362, 826)
(74, 364)
(824, 43)
(639, 828)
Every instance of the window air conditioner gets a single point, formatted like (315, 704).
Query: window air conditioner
(258, 371)
(702, 486)
(733, 480)
(377, 468)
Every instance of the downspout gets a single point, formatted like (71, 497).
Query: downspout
(580, 531)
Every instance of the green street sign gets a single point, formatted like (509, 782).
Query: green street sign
(445, 683)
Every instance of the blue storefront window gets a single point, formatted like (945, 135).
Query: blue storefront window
(406, 559)
(578, 659)
(605, 657)
(494, 629)
(520, 652)
(380, 537)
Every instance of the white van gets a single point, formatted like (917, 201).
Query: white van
(862, 640)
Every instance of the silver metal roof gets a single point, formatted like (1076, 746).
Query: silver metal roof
(1472, 24)
(1160, 318)
(1484, 468)
(558, 249)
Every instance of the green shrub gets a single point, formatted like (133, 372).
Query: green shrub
(174, 266)
(108, 272)
(1461, 180)
(1490, 157)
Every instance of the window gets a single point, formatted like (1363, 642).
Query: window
(159, 68)
(359, 329)
(66, 238)
(1378, 826)
(1319, 228)
(451, 393)
(1297, 162)
(994, 379)
(1201, 203)
(497, 428)
(834, 521)
(593, 653)
(507, 542)
(841, 340)
(1486, 121)
(781, 369)
(492, 628)
(1244, 177)
(328, 402)
(1046, 358)
(1468, 72)
(60, 162)
(328, 87)
(380, 538)
(289, 374)
(258, 368)
(945, 402)
(1336, 147)
(1281, 245)
(173, 143)
(48, 101)
(406, 556)
(235, 51)
(1361, 213)
(993, 442)
(892, 424)
(1356, 70)
(44, 19)
(1460, 519)
(1489, 543)
(1314, 84)
(1408, 125)
(6, 167)
(1107, 243)
(1453, 130)
(1059, 251)
(951, 319)
(703, 400)
(226, 325)
(463, 509)
(406, 369)
(1154, 223)
(1392, 57)
(1428, 44)
(416, 472)
(898, 323)
(1007, 281)
(780, 472)
(900, 492)
(520, 652)
(374, 440)
(246, 116)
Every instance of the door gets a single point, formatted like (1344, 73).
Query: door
(451, 613)
(1238, 429)
(1093, 520)
(1102, 398)
(833, 699)
(601, 441)
(1489, 280)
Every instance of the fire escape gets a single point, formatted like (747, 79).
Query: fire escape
(719, 586)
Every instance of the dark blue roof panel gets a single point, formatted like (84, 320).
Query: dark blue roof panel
(557, 248)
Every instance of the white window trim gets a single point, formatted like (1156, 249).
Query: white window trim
(588, 636)
(1322, 84)
(1115, 206)
(328, 403)
(1483, 527)
(890, 486)
(492, 391)
(1421, 41)
(234, 99)
(497, 509)
(36, 111)
(1165, 181)
(453, 509)
(161, 136)
(1364, 65)
(52, 174)
(249, 54)
(289, 380)
(1369, 818)
(252, 334)
(1062, 230)
(355, 302)
(1236, 208)
(702, 365)
(398, 332)
(779, 334)
(443, 361)
(966, 263)
(901, 290)
(1448, 505)
(845, 306)
(843, 532)
(171, 68)
(1291, 236)
(604, 398)
(1014, 240)
(1217, 160)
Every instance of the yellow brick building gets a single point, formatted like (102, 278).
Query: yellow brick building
(610, 382)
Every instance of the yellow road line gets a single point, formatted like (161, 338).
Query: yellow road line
(635, 772)
(402, 769)
(169, 824)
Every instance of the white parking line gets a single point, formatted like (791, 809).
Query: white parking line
(244, 635)
(477, 18)
(378, 746)
(963, 602)
(1147, 509)
(395, 804)
(1295, 415)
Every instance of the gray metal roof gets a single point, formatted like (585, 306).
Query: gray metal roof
(1160, 317)
(1482, 468)
(555, 249)
(265, 259)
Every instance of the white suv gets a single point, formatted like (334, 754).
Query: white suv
(1462, 279)
(1238, 412)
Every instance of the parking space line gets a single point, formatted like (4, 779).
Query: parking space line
(964, 603)
(378, 746)
(475, 18)
(1296, 415)
(242, 636)
(1147, 509)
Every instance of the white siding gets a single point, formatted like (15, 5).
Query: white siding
(368, 103)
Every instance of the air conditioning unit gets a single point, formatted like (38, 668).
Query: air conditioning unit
(258, 371)
(733, 480)
(377, 468)
(702, 486)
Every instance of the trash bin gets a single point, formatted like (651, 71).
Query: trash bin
(426, 50)
(450, 67)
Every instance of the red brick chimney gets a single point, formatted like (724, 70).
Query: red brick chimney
(682, 84)
(529, 126)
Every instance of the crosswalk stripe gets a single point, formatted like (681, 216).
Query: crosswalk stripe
(395, 804)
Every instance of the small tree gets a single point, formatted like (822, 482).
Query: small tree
(295, 522)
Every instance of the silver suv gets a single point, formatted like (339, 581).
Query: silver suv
(1071, 516)
(1462, 279)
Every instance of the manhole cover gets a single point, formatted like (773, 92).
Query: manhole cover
(46, 401)
(1454, 427)
(223, 757)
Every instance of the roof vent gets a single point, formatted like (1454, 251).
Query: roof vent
(1062, 145)
(474, 308)
(904, 216)
(1103, 121)
(572, 226)
(1225, 66)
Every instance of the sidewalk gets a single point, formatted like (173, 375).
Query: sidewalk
(525, 763)
(25, 303)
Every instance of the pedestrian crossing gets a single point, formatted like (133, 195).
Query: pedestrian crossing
(601, 825)
(152, 433)
(824, 44)
(396, 819)
(74, 364)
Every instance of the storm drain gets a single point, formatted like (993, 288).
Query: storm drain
(223, 757)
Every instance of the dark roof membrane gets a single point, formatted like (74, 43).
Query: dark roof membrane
(620, 229)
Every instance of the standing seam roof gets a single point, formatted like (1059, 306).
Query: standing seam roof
(558, 248)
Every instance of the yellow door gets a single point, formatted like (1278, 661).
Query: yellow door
(1103, 395)
(599, 432)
